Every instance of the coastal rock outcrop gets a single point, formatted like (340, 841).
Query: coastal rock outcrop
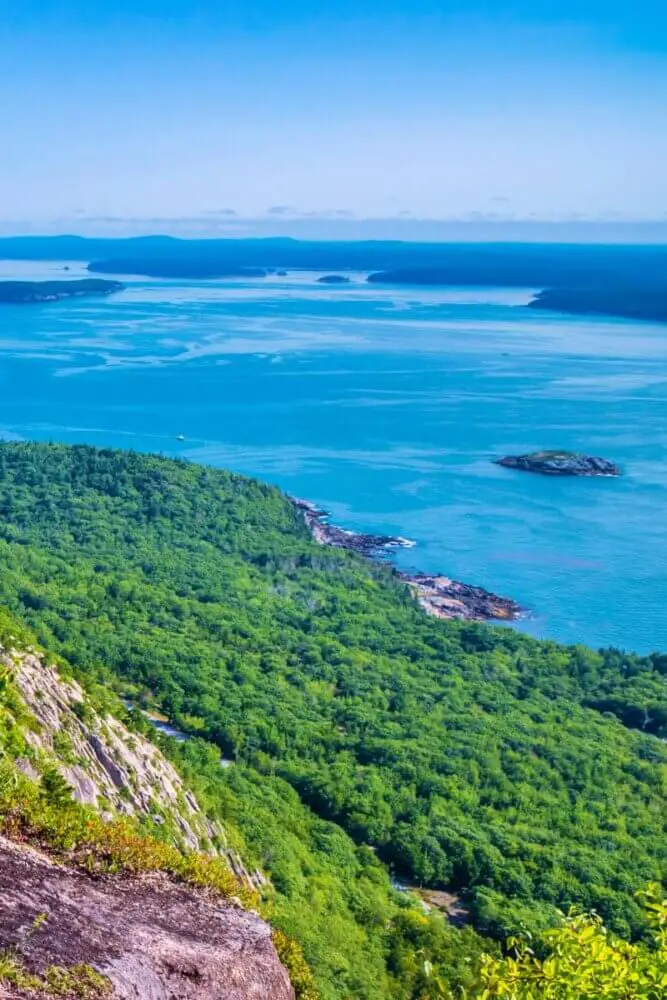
(148, 935)
(333, 279)
(437, 595)
(325, 533)
(444, 598)
(560, 463)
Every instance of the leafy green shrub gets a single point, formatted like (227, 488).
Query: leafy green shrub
(581, 960)
(291, 956)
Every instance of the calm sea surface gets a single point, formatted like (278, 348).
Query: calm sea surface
(385, 405)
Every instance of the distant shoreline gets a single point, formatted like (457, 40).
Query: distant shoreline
(35, 292)
(611, 289)
(627, 281)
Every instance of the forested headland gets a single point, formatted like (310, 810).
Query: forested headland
(27, 292)
(645, 302)
(521, 776)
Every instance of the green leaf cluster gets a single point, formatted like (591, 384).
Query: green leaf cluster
(581, 960)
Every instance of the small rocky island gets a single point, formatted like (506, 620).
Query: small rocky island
(27, 292)
(560, 463)
(333, 279)
(437, 595)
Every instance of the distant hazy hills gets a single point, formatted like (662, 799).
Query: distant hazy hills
(498, 263)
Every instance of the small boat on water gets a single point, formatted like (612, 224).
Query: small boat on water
(180, 437)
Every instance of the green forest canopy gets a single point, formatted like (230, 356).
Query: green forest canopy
(363, 939)
(522, 774)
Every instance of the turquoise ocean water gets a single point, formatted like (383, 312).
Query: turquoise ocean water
(385, 405)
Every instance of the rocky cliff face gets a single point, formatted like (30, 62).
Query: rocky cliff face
(67, 933)
(107, 766)
(150, 937)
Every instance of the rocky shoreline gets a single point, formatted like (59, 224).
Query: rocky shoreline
(438, 595)
(445, 598)
(317, 521)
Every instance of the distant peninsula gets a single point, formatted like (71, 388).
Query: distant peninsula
(27, 292)
(631, 302)
(618, 295)
(560, 463)
(530, 265)
(333, 279)
(174, 267)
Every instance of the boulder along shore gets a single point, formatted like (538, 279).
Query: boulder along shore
(438, 595)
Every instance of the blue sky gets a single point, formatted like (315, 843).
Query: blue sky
(146, 110)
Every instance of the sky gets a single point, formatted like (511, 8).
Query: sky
(216, 116)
